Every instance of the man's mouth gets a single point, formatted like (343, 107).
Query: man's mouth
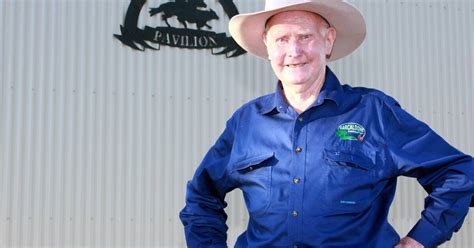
(295, 65)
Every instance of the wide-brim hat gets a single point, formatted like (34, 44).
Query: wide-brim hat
(247, 29)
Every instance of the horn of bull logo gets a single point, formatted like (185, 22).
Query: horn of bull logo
(130, 31)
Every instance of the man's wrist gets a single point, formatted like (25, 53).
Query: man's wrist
(426, 234)
(408, 242)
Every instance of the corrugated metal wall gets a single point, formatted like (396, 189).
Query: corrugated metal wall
(97, 140)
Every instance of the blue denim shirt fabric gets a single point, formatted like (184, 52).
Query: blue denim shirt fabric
(326, 177)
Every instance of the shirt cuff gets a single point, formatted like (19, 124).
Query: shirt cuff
(427, 234)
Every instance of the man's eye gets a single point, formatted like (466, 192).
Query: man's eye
(306, 36)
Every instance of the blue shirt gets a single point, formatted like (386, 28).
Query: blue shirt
(326, 177)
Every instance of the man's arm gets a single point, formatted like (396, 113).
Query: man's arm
(417, 151)
(203, 216)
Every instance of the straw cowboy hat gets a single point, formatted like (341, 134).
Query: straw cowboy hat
(247, 29)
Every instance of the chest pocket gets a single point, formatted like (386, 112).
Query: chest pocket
(350, 178)
(348, 158)
(254, 175)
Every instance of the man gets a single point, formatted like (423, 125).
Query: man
(317, 162)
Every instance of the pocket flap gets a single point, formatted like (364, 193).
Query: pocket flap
(253, 163)
(351, 159)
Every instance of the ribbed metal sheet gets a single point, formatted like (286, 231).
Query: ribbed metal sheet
(421, 52)
(97, 140)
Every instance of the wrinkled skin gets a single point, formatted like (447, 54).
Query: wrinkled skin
(298, 43)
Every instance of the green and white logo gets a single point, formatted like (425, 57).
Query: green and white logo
(351, 131)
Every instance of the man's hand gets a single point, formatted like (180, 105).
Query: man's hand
(408, 242)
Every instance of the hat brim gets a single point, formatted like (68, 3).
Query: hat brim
(247, 29)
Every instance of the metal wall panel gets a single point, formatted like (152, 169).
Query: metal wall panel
(97, 140)
(421, 52)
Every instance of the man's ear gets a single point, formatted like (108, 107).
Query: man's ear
(330, 39)
(264, 38)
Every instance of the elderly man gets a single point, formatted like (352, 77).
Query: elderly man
(318, 162)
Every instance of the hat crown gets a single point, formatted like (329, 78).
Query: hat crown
(275, 4)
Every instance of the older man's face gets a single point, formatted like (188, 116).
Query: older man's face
(297, 44)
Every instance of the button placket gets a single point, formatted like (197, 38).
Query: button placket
(298, 168)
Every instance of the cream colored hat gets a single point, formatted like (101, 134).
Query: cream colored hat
(247, 29)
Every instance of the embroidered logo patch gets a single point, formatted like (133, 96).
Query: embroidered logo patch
(351, 131)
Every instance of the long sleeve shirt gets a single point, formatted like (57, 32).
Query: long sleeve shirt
(326, 177)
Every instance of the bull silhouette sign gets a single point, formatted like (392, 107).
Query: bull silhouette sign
(189, 13)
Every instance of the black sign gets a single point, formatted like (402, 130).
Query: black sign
(186, 12)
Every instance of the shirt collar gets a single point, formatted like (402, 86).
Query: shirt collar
(331, 90)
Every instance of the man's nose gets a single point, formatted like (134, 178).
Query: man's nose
(294, 48)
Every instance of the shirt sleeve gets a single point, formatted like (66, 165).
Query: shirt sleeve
(417, 151)
(203, 216)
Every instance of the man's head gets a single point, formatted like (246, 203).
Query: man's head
(247, 29)
(298, 43)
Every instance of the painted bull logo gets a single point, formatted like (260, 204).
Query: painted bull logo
(188, 13)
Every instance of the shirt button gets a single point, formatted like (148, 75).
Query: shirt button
(296, 180)
(295, 246)
(300, 119)
(250, 168)
(298, 149)
(294, 213)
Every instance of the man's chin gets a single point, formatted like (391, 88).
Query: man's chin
(293, 82)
